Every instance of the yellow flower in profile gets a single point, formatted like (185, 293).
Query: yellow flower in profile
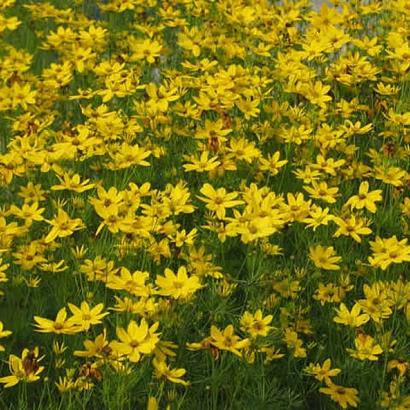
(61, 325)
(62, 226)
(24, 369)
(324, 258)
(178, 286)
(72, 183)
(173, 375)
(133, 283)
(344, 396)
(3, 333)
(152, 403)
(98, 348)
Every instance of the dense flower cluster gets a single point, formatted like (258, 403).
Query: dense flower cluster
(191, 189)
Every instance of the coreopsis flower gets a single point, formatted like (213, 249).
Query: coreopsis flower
(84, 316)
(133, 283)
(3, 333)
(72, 183)
(32, 193)
(201, 164)
(322, 372)
(217, 200)
(179, 285)
(320, 190)
(324, 257)
(344, 396)
(255, 324)
(227, 340)
(62, 226)
(162, 369)
(147, 50)
(136, 340)
(99, 347)
(272, 164)
(297, 208)
(353, 318)
(329, 293)
(61, 325)
(387, 251)
(28, 212)
(152, 403)
(366, 348)
(316, 93)
(402, 366)
(248, 107)
(317, 217)
(25, 369)
(294, 343)
(365, 198)
(376, 303)
(352, 226)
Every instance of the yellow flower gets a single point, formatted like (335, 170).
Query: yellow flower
(227, 340)
(63, 225)
(316, 93)
(387, 251)
(72, 183)
(322, 372)
(201, 164)
(366, 348)
(272, 163)
(136, 340)
(351, 226)
(294, 343)
(322, 191)
(24, 369)
(218, 200)
(256, 325)
(317, 217)
(324, 258)
(28, 213)
(344, 396)
(147, 50)
(365, 199)
(173, 375)
(58, 326)
(133, 283)
(351, 318)
(152, 403)
(177, 286)
(3, 333)
(98, 348)
(84, 317)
